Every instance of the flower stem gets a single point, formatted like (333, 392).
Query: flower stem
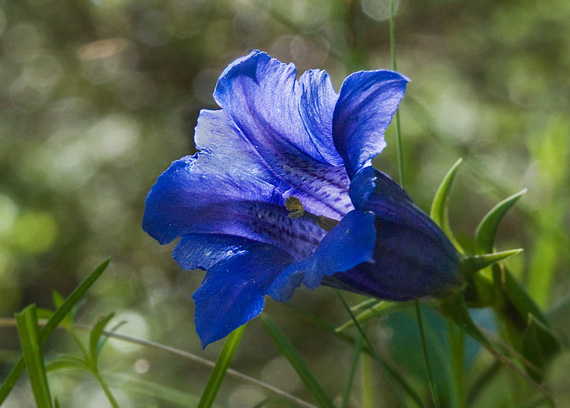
(431, 382)
(399, 149)
(457, 344)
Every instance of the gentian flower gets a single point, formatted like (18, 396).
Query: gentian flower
(276, 144)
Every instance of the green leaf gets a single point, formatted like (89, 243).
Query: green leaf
(94, 337)
(155, 390)
(291, 354)
(66, 362)
(455, 308)
(380, 309)
(51, 325)
(487, 229)
(356, 356)
(224, 359)
(438, 211)
(472, 264)
(520, 299)
(28, 332)
(105, 337)
(539, 345)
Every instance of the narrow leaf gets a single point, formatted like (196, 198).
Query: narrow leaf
(487, 229)
(51, 325)
(95, 336)
(28, 332)
(380, 309)
(455, 308)
(539, 345)
(66, 362)
(291, 354)
(472, 264)
(224, 359)
(438, 211)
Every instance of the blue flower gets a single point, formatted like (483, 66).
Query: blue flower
(277, 138)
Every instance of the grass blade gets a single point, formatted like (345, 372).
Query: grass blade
(51, 325)
(222, 364)
(290, 353)
(375, 355)
(28, 332)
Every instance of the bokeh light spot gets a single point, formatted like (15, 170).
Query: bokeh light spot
(35, 232)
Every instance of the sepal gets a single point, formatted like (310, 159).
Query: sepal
(474, 263)
(438, 211)
(487, 229)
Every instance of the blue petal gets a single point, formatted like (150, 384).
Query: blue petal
(205, 250)
(366, 104)
(193, 198)
(233, 290)
(348, 244)
(287, 125)
(412, 256)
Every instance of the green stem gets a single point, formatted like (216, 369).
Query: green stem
(399, 148)
(375, 355)
(367, 390)
(457, 344)
(431, 382)
(356, 356)
(106, 389)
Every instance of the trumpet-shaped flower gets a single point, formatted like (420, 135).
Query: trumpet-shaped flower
(279, 143)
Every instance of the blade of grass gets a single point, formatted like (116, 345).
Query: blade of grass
(356, 354)
(291, 354)
(432, 387)
(50, 326)
(28, 332)
(457, 361)
(367, 385)
(375, 355)
(399, 148)
(224, 359)
(405, 386)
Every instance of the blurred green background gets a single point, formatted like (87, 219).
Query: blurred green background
(98, 97)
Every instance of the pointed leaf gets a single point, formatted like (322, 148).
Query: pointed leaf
(28, 331)
(380, 309)
(105, 337)
(224, 359)
(487, 229)
(66, 362)
(520, 299)
(539, 345)
(51, 325)
(472, 264)
(291, 354)
(455, 308)
(95, 335)
(58, 300)
(438, 211)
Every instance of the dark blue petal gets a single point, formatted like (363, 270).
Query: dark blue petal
(233, 290)
(348, 244)
(412, 256)
(287, 125)
(366, 104)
